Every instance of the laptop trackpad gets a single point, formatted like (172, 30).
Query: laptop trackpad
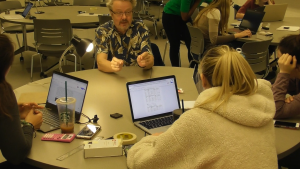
(46, 128)
(159, 129)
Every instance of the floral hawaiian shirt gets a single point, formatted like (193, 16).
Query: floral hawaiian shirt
(128, 46)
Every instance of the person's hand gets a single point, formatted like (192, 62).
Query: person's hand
(144, 59)
(116, 64)
(289, 99)
(24, 108)
(157, 134)
(34, 117)
(244, 34)
(285, 64)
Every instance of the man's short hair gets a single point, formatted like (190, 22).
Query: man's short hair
(110, 3)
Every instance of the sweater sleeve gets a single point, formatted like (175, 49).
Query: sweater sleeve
(214, 17)
(280, 89)
(15, 142)
(161, 151)
(246, 6)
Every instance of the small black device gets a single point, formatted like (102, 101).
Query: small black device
(286, 27)
(116, 115)
(88, 131)
(18, 12)
(80, 12)
(265, 28)
(288, 125)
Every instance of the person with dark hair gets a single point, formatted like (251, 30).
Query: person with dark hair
(18, 121)
(287, 81)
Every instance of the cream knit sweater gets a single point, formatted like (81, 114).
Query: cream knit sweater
(239, 135)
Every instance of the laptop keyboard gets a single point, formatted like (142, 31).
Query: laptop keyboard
(50, 118)
(155, 123)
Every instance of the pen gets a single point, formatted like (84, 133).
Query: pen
(182, 106)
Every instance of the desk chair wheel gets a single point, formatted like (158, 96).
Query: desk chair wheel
(21, 59)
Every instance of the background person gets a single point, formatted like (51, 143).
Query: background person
(213, 23)
(175, 16)
(252, 4)
(15, 136)
(230, 126)
(123, 41)
(287, 80)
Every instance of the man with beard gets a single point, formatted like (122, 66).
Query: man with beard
(123, 41)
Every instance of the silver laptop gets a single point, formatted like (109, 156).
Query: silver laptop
(274, 12)
(23, 15)
(76, 88)
(152, 102)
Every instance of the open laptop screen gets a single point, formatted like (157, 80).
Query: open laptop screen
(251, 20)
(153, 97)
(76, 88)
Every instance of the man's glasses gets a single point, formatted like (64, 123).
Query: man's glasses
(120, 14)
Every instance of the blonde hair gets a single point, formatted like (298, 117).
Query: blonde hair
(225, 68)
(110, 3)
(224, 7)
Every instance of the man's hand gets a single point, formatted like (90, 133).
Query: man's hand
(285, 64)
(24, 108)
(116, 64)
(144, 59)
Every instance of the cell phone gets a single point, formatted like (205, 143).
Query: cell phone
(284, 124)
(88, 131)
(286, 27)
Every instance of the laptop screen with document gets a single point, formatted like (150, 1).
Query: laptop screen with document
(153, 97)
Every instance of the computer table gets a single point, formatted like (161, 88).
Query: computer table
(107, 94)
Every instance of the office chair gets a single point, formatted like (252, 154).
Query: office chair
(52, 38)
(13, 28)
(156, 54)
(197, 43)
(257, 55)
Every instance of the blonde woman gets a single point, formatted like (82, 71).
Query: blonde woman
(252, 4)
(213, 23)
(230, 126)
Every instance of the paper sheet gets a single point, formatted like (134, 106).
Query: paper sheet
(37, 97)
(291, 28)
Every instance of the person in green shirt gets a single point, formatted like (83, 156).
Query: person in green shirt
(175, 16)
